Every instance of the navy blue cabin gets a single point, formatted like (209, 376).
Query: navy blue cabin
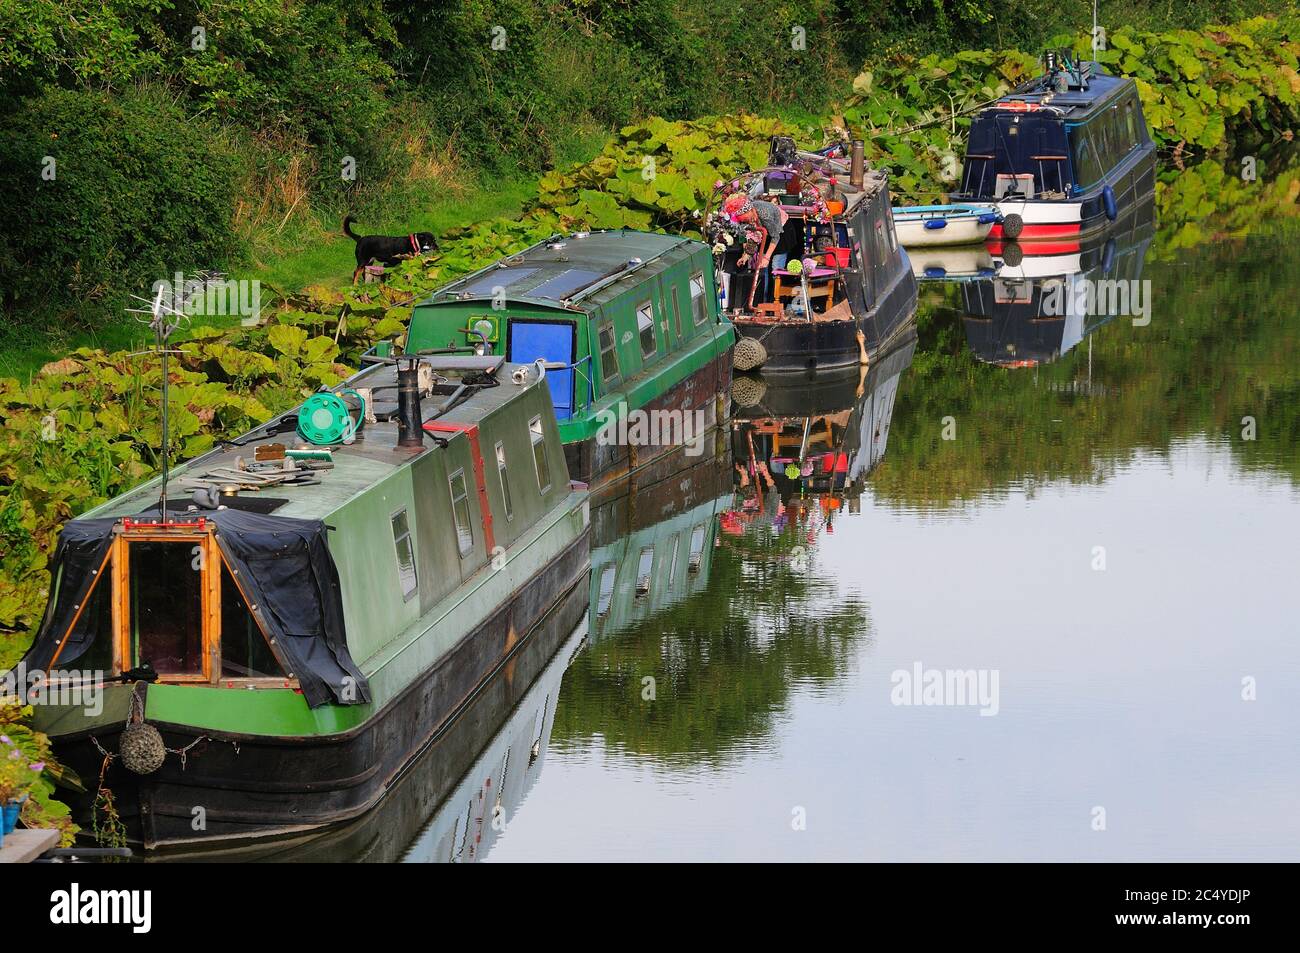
(1067, 152)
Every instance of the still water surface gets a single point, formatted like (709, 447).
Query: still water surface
(1104, 534)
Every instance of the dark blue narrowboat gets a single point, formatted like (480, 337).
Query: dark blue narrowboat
(1061, 156)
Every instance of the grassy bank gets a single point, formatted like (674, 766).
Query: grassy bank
(304, 246)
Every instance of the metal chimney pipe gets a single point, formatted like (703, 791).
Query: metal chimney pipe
(410, 425)
(858, 162)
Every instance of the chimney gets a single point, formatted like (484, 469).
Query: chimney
(410, 423)
(858, 164)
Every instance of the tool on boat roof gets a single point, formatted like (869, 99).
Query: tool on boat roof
(256, 475)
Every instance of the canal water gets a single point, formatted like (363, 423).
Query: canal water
(1027, 590)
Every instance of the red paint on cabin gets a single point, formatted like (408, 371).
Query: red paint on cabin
(471, 431)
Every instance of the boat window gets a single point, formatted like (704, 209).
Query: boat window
(166, 606)
(540, 463)
(406, 574)
(608, 353)
(1130, 124)
(643, 570)
(893, 235)
(645, 325)
(698, 307)
(244, 650)
(460, 511)
(677, 313)
(606, 595)
(505, 483)
(697, 549)
(1101, 140)
(1086, 164)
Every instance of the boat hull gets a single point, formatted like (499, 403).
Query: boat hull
(799, 347)
(253, 788)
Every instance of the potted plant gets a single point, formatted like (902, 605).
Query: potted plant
(17, 776)
(28, 781)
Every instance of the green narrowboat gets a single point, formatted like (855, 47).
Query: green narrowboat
(627, 322)
(269, 662)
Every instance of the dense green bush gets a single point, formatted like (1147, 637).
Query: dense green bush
(278, 99)
(100, 193)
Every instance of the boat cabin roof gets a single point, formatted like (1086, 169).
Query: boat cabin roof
(372, 457)
(1074, 104)
(564, 271)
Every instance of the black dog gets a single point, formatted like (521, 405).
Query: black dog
(388, 250)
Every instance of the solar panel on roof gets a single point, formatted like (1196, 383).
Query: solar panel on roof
(563, 284)
(501, 278)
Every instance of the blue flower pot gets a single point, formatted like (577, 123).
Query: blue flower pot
(11, 816)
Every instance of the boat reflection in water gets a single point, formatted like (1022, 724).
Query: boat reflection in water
(803, 452)
(476, 813)
(1023, 310)
(653, 538)
(697, 645)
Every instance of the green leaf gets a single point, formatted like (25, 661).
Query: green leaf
(287, 339)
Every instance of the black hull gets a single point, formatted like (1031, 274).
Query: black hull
(804, 395)
(386, 834)
(256, 788)
(801, 347)
(707, 389)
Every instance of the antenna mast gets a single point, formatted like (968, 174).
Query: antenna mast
(163, 317)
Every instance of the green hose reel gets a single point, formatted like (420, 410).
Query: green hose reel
(325, 418)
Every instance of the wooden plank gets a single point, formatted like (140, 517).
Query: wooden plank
(23, 846)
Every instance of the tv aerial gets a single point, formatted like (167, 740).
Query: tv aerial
(164, 315)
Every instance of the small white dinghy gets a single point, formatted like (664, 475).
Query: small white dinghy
(922, 225)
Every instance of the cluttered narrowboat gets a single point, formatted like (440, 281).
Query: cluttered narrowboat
(811, 271)
(628, 326)
(1062, 155)
(274, 632)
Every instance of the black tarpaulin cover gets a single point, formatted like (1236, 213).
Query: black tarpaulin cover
(284, 566)
(83, 544)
